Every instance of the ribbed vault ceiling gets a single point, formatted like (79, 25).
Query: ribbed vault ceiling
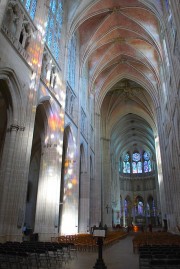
(119, 39)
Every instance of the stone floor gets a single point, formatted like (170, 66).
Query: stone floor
(118, 256)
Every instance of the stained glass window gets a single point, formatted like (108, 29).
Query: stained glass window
(136, 157)
(139, 164)
(134, 167)
(84, 86)
(148, 210)
(136, 164)
(149, 165)
(140, 208)
(54, 27)
(126, 167)
(30, 6)
(72, 62)
(126, 164)
(139, 167)
(146, 155)
(146, 169)
(167, 4)
(125, 207)
(126, 158)
(147, 162)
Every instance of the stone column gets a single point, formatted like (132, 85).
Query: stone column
(84, 203)
(134, 213)
(115, 189)
(161, 158)
(48, 195)
(98, 177)
(124, 217)
(13, 184)
(106, 182)
(167, 183)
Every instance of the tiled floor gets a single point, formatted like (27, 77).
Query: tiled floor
(118, 256)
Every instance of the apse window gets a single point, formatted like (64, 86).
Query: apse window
(136, 163)
(126, 164)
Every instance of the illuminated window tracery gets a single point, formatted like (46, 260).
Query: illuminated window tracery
(140, 208)
(30, 6)
(167, 4)
(137, 163)
(126, 164)
(72, 62)
(84, 86)
(147, 162)
(54, 27)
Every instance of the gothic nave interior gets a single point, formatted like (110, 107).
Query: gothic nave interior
(89, 115)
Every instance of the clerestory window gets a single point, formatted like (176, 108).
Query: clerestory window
(136, 163)
(54, 28)
(72, 62)
(30, 6)
(126, 164)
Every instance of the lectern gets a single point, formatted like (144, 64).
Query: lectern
(99, 233)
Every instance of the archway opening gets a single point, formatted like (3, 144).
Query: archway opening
(69, 186)
(34, 168)
(5, 105)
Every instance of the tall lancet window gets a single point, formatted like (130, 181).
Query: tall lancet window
(125, 207)
(84, 87)
(136, 164)
(126, 164)
(167, 4)
(54, 27)
(30, 6)
(147, 162)
(72, 62)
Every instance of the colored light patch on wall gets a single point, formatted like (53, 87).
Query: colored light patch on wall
(55, 122)
(70, 181)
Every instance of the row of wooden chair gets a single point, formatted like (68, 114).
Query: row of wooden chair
(86, 242)
(26, 254)
(155, 238)
(159, 256)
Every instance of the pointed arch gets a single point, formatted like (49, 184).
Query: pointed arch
(11, 108)
(127, 210)
(10, 82)
(151, 205)
(83, 163)
(139, 203)
(38, 144)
